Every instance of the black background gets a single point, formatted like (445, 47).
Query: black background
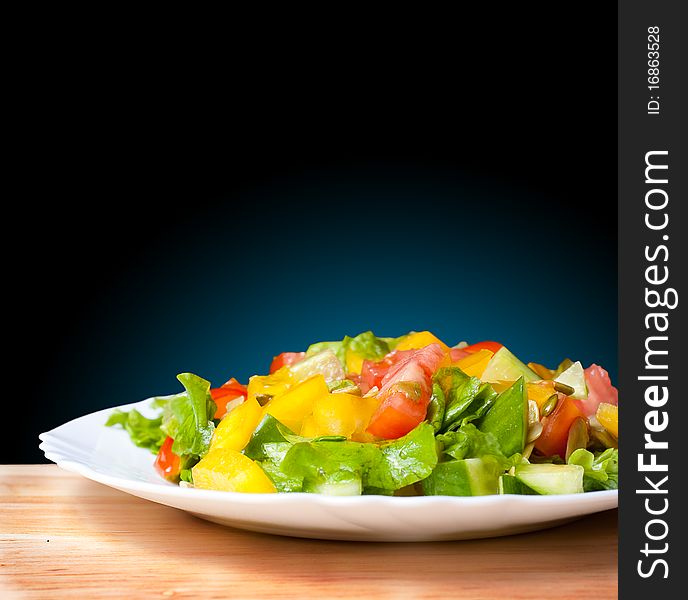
(127, 137)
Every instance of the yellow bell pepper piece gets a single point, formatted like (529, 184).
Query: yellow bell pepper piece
(540, 391)
(309, 427)
(270, 385)
(366, 407)
(230, 471)
(236, 428)
(354, 362)
(474, 364)
(340, 414)
(541, 370)
(292, 407)
(336, 414)
(420, 339)
(501, 385)
(608, 416)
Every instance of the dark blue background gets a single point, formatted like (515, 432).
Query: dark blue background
(465, 257)
(312, 203)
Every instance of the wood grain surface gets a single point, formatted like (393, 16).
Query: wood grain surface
(62, 536)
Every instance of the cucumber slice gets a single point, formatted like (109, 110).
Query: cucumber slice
(504, 366)
(466, 477)
(507, 419)
(351, 487)
(551, 479)
(574, 376)
(509, 484)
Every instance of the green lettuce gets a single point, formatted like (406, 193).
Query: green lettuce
(392, 343)
(187, 463)
(322, 346)
(471, 463)
(404, 461)
(269, 431)
(187, 417)
(323, 463)
(281, 481)
(466, 398)
(327, 460)
(601, 470)
(436, 408)
(373, 491)
(144, 432)
(469, 442)
(367, 345)
(274, 446)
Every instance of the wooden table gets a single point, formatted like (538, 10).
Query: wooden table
(64, 536)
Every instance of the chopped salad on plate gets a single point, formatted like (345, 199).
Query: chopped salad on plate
(406, 416)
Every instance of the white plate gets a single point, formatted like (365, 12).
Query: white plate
(106, 455)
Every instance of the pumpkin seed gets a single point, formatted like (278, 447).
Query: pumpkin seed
(563, 388)
(533, 412)
(578, 436)
(528, 450)
(534, 432)
(263, 399)
(603, 438)
(549, 406)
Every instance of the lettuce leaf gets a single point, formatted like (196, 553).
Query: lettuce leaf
(144, 432)
(269, 431)
(436, 408)
(469, 442)
(187, 417)
(325, 460)
(404, 461)
(373, 491)
(271, 455)
(186, 465)
(601, 470)
(392, 343)
(466, 398)
(281, 481)
(388, 466)
(366, 344)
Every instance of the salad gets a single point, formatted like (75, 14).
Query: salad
(390, 416)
